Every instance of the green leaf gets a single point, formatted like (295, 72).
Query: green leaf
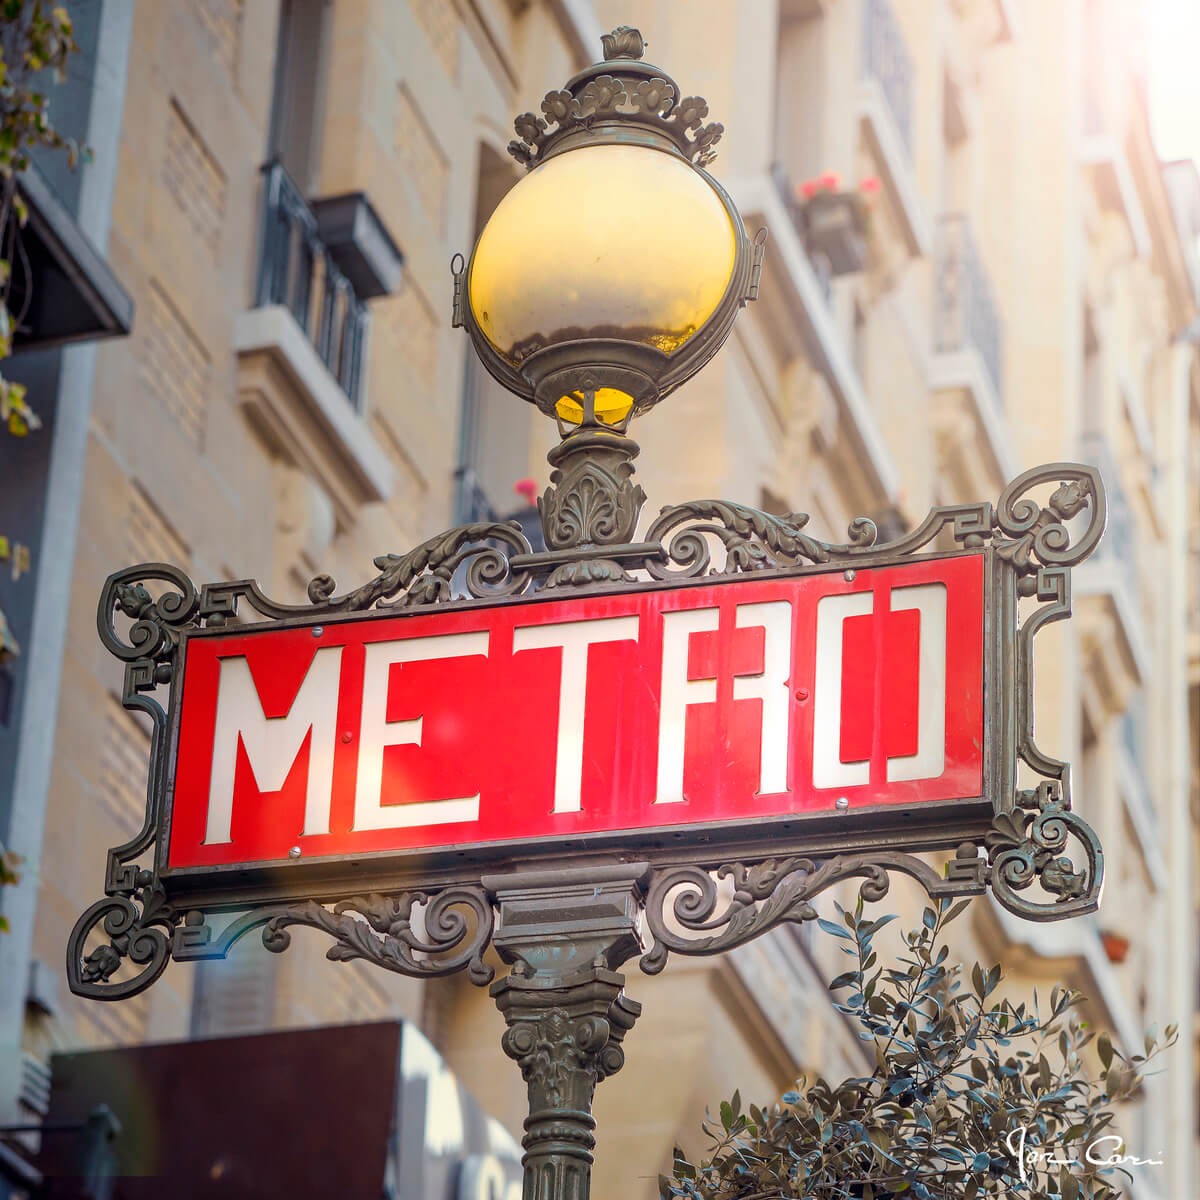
(1068, 1185)
(1104, 1048)
(836, 930)
(977, 981)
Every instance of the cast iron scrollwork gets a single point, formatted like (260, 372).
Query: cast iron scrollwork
(1026, 846)
(424, 575)
(1037, 537)
(134, 918)
(689, 913)
(752, 540)
(1031, 843)
(622, 91)
(138, 928)
(455, 930)
(1040, 858)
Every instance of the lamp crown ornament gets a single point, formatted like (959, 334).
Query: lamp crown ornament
(621, 93)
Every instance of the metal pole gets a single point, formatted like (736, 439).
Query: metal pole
(565, 932)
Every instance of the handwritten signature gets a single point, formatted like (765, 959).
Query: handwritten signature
(1103, 1151)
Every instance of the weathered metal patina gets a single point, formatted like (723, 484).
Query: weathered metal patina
(563, 1000)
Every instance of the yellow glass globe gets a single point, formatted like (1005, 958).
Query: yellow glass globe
(606, 241)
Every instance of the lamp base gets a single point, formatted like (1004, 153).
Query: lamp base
(592, 503)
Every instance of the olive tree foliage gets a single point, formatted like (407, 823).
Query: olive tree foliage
(35, 43)
(971, 1095)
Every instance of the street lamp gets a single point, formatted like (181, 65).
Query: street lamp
(614, 270)
(604, 279)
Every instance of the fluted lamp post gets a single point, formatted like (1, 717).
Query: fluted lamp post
(604, 279)
(609, 275)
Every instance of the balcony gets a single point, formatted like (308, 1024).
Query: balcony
(968, 363)
(886, 59)
(795, 289)
(966, 315)
(885, 110)
(471, 503)
(786, 187)
(62, 286)
(1108, 593)
(302, 347)
(298, 271)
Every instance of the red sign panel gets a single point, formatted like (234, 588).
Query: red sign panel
(534, 722)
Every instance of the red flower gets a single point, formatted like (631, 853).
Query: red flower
(870, 185)
(809, 188)
(527, 490)
(830, 181)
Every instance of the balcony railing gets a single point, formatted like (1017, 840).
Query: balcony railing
(886, 59)
(787, 193)
(1118, 544)
(296, 270)
(966, 315)
(471, 503)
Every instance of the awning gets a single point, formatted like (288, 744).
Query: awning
(73, 294)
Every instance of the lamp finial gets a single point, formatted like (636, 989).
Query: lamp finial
(623, 42)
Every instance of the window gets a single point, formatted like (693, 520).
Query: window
(496, 427)
(300, 63)
(799, 110)
(235, 994)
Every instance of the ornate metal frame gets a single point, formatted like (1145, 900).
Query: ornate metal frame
(1014, 841)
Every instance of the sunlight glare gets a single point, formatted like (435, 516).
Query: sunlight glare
(1174, 81)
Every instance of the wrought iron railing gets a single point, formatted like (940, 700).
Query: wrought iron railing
(471, 501)
(887, 59)
(296, 270)
(786, 188)
(966, 315)
(1118, 542)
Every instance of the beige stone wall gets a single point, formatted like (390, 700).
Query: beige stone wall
(836, 407)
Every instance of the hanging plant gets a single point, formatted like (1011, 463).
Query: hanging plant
(36, 40)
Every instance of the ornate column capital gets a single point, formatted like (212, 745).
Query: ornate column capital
(564, 932)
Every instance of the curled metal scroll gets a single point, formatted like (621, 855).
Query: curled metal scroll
(1038, 537)
(423, 576)
(138, 930)
(457, 928)
(688, 912)
(752, 540)
(1028, 846)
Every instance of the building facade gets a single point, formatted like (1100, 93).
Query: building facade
(286, 406)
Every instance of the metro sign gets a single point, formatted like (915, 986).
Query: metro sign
(544, 724)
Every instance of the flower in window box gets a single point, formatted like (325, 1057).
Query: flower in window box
(833, 221)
